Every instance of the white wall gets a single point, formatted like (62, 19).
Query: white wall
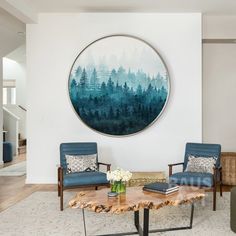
(219, 95)
(52, 46)
(219, 27)
(14, 70)
(219, 83)
(21, 86)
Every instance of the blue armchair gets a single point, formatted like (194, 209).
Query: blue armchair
(199, 179)
(79, 179)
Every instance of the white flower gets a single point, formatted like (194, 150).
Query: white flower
(119, 175)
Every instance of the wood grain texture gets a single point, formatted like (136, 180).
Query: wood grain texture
(141, 178)
(134, 199)
(16, 159)
(228, 163)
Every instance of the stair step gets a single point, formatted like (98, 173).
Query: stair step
(22, 142)
(22, 149)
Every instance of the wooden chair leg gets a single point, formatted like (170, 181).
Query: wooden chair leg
(221, 192)
(60, 186)
(61, 198)
(59, 174)
(170, 171)
(221, 184)
(58, 189)
(214, 198)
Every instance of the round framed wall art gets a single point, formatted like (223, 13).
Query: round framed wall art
(119, 85)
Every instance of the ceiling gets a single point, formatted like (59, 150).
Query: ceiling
(10, 38)
(210, 7)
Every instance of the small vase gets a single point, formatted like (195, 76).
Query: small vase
(118, 187)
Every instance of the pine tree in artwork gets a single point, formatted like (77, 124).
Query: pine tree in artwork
(78, 72)
(84, 80)
(73, 90)
(114, 76)
(103, 88)
(111, 113)
(110, 86)
(125, 88)
(94, 80)
(139, 90)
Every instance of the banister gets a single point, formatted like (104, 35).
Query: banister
(22, 107)
(11, 114)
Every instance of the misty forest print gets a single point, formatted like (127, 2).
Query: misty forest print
(118, 85)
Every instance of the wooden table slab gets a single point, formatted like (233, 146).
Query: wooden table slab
(134, 199)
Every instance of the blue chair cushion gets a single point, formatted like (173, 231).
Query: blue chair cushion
(192, 178)
(85, 178)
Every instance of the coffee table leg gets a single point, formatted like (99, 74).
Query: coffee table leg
(145, 222)
(191, 217)
(145, 231)
(177, 228)
(136, 220)
(85, 233)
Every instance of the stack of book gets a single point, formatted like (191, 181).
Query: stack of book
(159, 187)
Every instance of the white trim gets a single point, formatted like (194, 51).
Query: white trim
(9, 112)
(9, 83)
(20, 10)
(224, 41)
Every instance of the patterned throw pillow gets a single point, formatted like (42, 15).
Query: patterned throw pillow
(78, 163)
(201, 164)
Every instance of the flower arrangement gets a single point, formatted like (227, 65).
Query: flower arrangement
(118, 179)
(119, 175)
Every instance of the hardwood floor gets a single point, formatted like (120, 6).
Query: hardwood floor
(14, 189)
(16, 159)
(11, 188)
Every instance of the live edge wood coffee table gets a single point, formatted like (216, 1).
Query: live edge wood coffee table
(136, 199)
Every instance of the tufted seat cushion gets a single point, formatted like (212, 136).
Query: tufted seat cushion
(85, 178)
(192, 178)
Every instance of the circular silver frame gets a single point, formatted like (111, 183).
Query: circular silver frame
(168, 95)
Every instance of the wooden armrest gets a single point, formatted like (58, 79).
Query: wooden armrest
(217, 175)
(175, 164)
(218, 168)
(105, 164)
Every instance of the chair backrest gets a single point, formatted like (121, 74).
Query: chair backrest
(202, 150)
(76, 149)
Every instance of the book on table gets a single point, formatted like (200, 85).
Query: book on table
(159, 187)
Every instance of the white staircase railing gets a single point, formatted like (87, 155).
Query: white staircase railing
(20, 112)
(11, 125)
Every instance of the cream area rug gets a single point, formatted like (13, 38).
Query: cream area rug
(39, 215)
(18, 169)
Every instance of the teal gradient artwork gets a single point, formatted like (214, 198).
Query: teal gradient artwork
(118, 85)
